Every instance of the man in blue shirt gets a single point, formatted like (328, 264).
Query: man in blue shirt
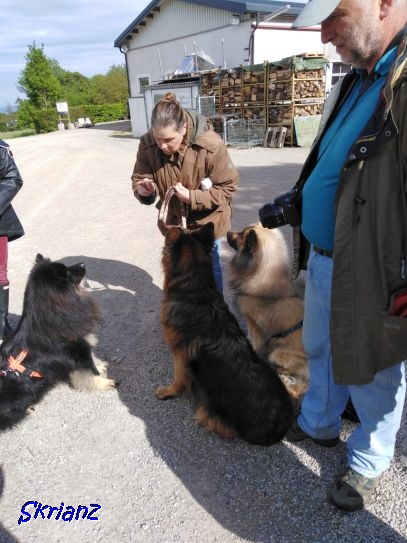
(354, 223)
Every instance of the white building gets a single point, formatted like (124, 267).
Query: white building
(228, 33)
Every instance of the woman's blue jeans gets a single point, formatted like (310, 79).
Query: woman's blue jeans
(217, 270)
(379, 404)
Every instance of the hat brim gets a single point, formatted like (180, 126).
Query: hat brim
(315, 12)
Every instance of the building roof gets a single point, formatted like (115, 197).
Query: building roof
(234, 6)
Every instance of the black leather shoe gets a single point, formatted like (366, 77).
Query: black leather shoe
(295, 433)
(353, 491)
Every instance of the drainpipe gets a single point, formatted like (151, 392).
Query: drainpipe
(124, 50)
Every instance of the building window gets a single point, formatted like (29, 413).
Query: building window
(158, 98)
(339, 69)
(143, 81)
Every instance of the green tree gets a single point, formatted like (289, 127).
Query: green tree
(38, 80)
(111, 88)
(76, 89)
(102, 97)
(25, 114)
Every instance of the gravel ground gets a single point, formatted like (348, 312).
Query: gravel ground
(157, 477)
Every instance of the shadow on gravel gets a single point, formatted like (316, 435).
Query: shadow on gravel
(122, 126)
(259, 186)
(259, 494)
(5, 536)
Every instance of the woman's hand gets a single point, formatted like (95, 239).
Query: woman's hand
(182, 193)
(145, 187)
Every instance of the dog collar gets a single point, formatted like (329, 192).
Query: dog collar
(16, 364)
(287, 332)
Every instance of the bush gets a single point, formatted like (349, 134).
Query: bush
(41, 120)
(46, 120)
(25, 114)
(101, 113)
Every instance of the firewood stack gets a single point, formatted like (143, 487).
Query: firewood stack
(273, 92)
(296, 88)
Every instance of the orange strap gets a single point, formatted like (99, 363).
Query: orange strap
(16, 364)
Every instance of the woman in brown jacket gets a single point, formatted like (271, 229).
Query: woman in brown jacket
(183, 156)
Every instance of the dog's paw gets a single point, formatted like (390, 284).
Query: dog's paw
(101, 366)
(166, 393)
(213, 424)
(296, 390)
(86, 380)
(103, 383)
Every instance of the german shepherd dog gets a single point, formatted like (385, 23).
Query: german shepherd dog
(237, 393)
(271, 304)
(52, 342)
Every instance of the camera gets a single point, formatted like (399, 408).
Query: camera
(285, 210)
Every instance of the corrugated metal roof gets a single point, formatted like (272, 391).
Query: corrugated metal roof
(234, 6)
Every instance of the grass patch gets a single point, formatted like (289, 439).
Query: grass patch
(17, 134)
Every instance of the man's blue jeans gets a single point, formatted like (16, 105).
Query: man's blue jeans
(379, 404)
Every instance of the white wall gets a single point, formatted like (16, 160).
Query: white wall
(273, 44)
(226, 46)
(138, 116)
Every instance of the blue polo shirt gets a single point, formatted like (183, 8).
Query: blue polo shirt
(318, 213)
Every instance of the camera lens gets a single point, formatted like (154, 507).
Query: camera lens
(272, 216)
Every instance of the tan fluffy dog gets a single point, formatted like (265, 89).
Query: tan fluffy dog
(269, 301)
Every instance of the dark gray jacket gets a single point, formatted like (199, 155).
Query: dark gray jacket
(10, 184)
(370, 248)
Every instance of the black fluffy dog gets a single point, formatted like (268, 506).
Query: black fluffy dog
(52, 342)
(237, 392)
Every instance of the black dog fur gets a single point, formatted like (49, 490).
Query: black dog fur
(55, 329)
(237, 392)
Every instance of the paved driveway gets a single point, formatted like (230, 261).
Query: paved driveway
(156, 476)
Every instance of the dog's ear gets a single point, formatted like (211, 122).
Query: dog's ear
(39, 258)
(205, 235)
(172, 235)
(232, 238)
(251, 241)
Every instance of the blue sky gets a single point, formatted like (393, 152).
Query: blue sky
(79, 34)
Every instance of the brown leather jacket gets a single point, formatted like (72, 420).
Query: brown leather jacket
(203, 154)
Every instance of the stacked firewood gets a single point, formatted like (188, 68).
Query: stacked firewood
(231, 84)
(210, 84)
(308, 109)
(309, 88)
(273, 92)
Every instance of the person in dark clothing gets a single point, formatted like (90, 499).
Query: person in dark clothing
(352, 241)
(10, 226)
